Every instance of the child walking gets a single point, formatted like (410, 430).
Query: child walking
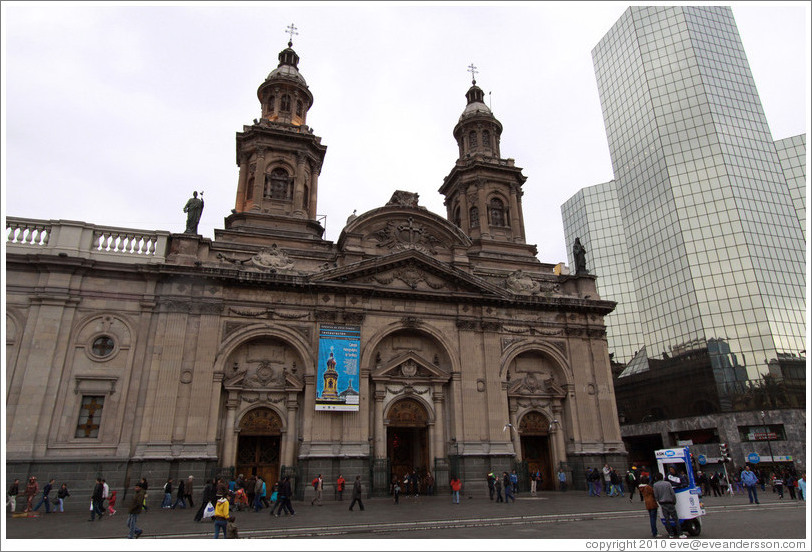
(111, 502)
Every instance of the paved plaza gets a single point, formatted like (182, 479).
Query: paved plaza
(548, 515)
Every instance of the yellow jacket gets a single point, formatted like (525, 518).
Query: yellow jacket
(221, 509)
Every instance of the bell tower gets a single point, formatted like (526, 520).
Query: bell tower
(483, 192)
(279, 157)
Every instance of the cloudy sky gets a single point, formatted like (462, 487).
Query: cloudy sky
(114, 113)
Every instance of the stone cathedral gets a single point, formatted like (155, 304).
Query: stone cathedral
(143, 353)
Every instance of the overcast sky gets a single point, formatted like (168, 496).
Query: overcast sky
(114, 114)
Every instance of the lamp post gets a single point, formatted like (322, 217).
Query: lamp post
(767, 435)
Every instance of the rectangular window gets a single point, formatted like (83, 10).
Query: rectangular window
(770, 432)
(90, 416)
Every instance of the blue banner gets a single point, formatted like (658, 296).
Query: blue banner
(337, 374)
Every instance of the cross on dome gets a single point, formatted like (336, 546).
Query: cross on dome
(291, 30)
(472, 69)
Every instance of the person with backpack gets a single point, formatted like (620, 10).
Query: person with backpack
(318, 486)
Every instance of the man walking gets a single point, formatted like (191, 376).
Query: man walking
(188, 490)
(667, 499)
(96, 500)
(750, 481)
(136, 504)
(562, 480)
(356, 493)
(45, 490)
(318, 485)
(13, 491)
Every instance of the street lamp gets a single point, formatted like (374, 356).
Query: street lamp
(767, 434)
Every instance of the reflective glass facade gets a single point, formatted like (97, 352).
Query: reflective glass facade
(714, 246)
(792, 153)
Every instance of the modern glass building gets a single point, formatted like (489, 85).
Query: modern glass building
(700, 240)
(714, 252)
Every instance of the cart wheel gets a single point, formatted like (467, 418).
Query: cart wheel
(692, 527)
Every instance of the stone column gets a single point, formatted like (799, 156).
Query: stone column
(314, 194)
(559, 445)
(484, 229)
(439, 422)
(240, 206)
(380, 430)
(299, 184)
(515, 222)
(289, 455)
(231, 433)
(259, 181)
(514, 435)
(464, 222)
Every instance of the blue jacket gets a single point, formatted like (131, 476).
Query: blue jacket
(749, 478)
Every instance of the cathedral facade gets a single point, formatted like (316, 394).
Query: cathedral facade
(415, 342)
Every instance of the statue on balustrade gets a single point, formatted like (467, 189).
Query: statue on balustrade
(193, 210)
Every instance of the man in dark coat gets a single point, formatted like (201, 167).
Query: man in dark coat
(135, 507)
(97, 498)
(208, 496)
(356, 493)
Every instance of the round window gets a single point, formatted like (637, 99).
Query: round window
(103, 346)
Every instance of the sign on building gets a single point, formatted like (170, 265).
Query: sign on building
(338, 381)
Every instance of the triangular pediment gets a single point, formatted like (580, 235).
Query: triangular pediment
(409, 271)
(410, 366)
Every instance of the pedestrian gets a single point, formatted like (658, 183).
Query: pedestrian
(429, 484)
(562, 480)
(231, 529)
(144, 487)
(714, 484)
(802, 487)
(667, 499)
(221, 516)
(285, 493)
(188, 491)
(136, 505)
(180, 496)
(31, 490)
(456, 485)
(631, 482)
(647, 491)
(250, 489)
(607, 480)
(318, 486)
(167, 502)
(111, 503)
(13, 491)
(356, 493)
(533, 483)
(96, 500)
(508, 488)
(514, 482)
(208, 496)
(789, 483)
(105, 493)
(778, 485)
(241, 500)
(749, 480)
(340, 482)
(61, 495)
(45, 498)
(414, 483)
(490, 478)
(396, 491)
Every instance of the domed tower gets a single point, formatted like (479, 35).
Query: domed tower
(279, 157)
(483, 191)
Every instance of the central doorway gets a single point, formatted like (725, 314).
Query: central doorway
(259, 445)
(535, 440)
(407, 439)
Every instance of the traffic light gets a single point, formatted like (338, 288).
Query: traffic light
(724, 453)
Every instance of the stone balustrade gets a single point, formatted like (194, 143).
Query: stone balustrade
(87, 241)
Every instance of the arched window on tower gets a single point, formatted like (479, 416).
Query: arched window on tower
(456, 217)
(306, 198)
(249, 190)
(473, 217)
(285, 103)
(271, 105)
(299, 108)
(486, 138)
(279, 185)
(472, 139)
(498, 215)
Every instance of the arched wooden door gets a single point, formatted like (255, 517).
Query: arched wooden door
(407, 438)
(534, 434)
(259, 444)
